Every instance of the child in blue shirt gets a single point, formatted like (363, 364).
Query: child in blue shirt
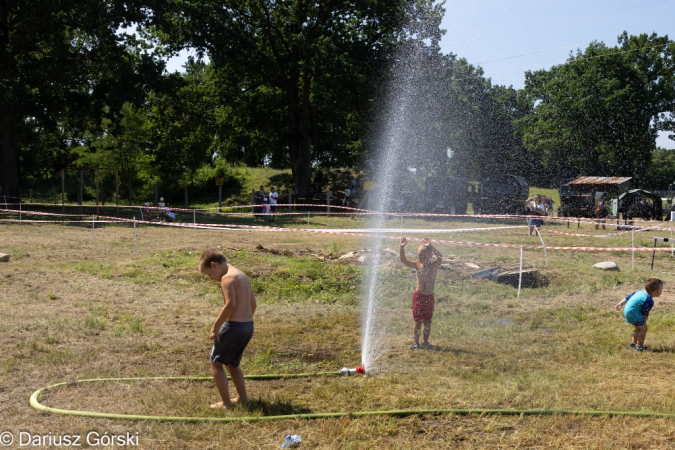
(638, 305)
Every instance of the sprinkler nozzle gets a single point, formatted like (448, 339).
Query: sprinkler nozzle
(347, 371)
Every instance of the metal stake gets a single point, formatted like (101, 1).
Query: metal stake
(542, 244)
(520, 277)
(632, 238)
(135, 240)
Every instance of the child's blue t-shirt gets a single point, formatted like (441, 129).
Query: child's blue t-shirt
(638, 303)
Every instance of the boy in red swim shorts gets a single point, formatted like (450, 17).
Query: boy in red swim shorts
(423, 297)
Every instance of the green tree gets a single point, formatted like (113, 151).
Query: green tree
(448, 120)
(121, 144)
(308, 59)
(599, 113)
(458, 122)
(661, 172)
(182, 122)
(249, 120)
(60, 64)
(482, 137)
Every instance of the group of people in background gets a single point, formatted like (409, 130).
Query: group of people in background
(349, 193)
(540, 205)
(163, 214)
(266, 205)
(645, 208)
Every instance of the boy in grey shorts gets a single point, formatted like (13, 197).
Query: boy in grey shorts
(233, 328)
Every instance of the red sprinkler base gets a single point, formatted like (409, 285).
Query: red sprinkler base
(346, 371)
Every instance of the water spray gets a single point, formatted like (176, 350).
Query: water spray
(346, 371)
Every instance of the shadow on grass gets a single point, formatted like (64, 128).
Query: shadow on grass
(273, 408)
(663, 350)
(444, 349)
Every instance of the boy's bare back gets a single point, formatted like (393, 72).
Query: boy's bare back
(238, 294)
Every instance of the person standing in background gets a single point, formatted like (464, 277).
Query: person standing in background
(273, 197)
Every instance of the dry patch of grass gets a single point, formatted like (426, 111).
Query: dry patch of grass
(72, 308)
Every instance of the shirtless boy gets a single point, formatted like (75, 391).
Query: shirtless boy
(233, 328)
(423, 297)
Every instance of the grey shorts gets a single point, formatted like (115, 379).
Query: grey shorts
(234, 337)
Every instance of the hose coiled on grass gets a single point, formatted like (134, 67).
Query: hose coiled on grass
(34, 402)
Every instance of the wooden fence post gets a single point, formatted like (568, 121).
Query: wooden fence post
(117, 191)
(63, 191)
(97, 190)
(80, 191)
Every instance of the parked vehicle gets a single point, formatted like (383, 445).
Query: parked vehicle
(638, 203)
(575, 203)
(503, 195)
(578, 197)
(446, 195)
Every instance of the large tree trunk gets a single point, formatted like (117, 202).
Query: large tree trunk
(8, 156)
(300, 144)
(301, 158)
(9, 161)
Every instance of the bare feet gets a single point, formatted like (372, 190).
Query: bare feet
(220, 405)
(237, 401)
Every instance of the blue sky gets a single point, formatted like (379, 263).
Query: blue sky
(509, 37)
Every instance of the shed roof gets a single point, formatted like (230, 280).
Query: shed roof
(601, 181)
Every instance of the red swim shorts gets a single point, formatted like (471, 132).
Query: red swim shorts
(422, 306)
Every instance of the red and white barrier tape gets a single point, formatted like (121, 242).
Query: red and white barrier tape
(344, 233)
(59, 221)
(620, 233)
(640, 228)
(203, 210)
(40, 213)
(351, 211)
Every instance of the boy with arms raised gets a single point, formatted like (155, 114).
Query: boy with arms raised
(233, 328)
(423, 298)
(638, 305)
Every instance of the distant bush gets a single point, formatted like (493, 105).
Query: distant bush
(205, 177)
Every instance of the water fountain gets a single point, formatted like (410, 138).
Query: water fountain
(401, 141)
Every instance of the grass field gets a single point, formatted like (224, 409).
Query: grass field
(80, 304)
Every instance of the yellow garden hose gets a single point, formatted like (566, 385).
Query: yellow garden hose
(34, 402)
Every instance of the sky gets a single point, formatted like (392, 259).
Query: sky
(509, 37)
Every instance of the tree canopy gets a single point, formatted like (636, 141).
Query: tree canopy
(307, 63)
(306, 85)
(63, 66)
(599, 113)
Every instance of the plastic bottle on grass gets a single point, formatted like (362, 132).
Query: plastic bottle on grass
(292, 440)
